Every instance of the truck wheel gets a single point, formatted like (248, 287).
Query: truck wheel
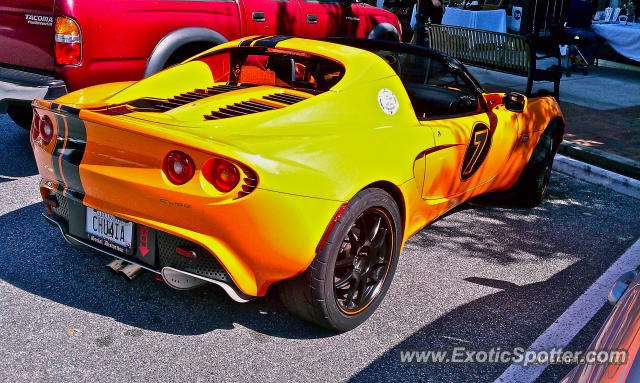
(179, 45)
(384, 31)
(530, 188)
(350, 276)
(187, 51)
(21, 114)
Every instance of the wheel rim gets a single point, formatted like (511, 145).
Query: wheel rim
(363, 261)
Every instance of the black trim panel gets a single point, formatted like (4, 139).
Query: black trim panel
(479, 145)
(247, 43)
(271, 42)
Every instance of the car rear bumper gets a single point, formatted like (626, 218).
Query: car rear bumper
(19, 85)
(247, 244)
(206, 267)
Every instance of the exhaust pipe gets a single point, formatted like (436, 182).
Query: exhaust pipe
(124, 269)
(182, 280)
(116, 265)
(130, 271)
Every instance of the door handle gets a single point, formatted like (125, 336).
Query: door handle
(312, 19)
(258, 17)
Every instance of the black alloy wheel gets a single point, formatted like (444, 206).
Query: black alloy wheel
(351, 274)
(363, 262)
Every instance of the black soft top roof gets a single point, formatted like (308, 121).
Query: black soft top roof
(387, 45)
(399, 47)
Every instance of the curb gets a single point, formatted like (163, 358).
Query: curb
(602, 159)
(598, 176)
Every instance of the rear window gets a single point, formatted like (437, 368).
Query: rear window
(275, 67)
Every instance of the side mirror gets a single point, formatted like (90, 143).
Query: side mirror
(514, 101)
(621, 285)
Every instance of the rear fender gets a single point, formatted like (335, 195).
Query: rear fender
(176, 39)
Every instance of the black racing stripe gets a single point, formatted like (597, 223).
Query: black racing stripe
(57, 149)
(72, 157)
(246, 43)
(271, 42)
(70, 110)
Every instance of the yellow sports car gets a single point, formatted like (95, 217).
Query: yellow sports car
(276, 159)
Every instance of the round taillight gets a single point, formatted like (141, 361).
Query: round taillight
(35, 126)
(178, 167)
(46, 130)
(223, 175)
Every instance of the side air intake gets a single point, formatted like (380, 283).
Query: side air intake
(284, 98)
(274, 101)
(163, 105)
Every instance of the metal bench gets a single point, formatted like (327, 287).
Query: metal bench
(502, 52)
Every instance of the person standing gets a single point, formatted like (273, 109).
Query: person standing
(433, 11)
(579, 16)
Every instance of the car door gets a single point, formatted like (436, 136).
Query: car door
(325, 18)
(272, 17)
(464, 131)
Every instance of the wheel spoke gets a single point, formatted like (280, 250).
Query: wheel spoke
(344, 281)
(375, 266)
(347, 261)
(361, 289)
(362, 262)
(374, 229)
(353, 238)
(375, 275)
(362, 226)
(377, 241)
(352, 291)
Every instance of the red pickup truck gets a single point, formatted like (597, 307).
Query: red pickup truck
(50, 47)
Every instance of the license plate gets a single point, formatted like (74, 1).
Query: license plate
(109, 231)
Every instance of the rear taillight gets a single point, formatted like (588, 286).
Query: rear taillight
(68, 40)
(35, 126)
(222, 174)
(178, 167)
(46, 130)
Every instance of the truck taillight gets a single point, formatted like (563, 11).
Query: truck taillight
(68, 40)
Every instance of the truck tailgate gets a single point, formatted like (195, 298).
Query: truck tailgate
(26, 35)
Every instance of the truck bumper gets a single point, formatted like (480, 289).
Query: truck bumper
(21, 86)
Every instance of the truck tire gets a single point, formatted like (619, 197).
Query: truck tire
(179, 45)
(384, 31)
(186, 51)
(21, 114)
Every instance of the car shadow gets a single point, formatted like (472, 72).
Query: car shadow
(506, 319)
(40, 262)
(567, 227)
(16, 157)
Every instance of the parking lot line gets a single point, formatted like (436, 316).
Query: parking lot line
(567, 326)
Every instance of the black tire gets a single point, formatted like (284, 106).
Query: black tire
(21, 114)
(532, 184)
(314, 295)
(187, 51)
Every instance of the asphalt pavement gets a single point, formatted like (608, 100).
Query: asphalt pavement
(482, 276)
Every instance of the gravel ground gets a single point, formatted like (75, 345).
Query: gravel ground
(480, 277)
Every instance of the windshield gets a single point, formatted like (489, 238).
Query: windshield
(275, 67)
